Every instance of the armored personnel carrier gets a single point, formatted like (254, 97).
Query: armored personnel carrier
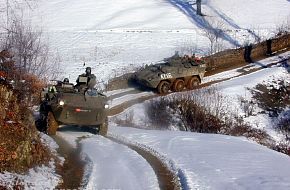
(66, 104)
(175, 74)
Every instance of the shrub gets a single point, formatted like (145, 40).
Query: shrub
(127, 121)
(272, 98)
(20, 145)
(204, 111)
(159, 113)
(247, 106)
(283, 124)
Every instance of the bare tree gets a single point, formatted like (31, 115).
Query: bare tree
(213, 33)
(27, 46)
(187, 47)
(9, 8)
(25, 42)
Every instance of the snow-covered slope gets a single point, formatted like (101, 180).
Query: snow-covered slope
(67, 15)
(116, 36)
(208, 161)
(110, 14)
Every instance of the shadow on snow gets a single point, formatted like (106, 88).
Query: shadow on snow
(200, 21)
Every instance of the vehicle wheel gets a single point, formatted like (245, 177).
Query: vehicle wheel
(95, 130)
(41, 124)
(193, 83)
(178, 85)
(52, 124)
(104, 128)
(163, 87)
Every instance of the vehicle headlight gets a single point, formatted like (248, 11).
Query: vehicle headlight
(106, 106)
(61, 103)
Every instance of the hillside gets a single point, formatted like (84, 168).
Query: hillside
(116, 37)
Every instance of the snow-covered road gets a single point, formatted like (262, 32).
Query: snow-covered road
(111, 165)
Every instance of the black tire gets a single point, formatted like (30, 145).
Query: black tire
(163, 87)
(94, 130)
(41, 124)
(104, 128)
(178, 85)
(52, 124)
(193, 83)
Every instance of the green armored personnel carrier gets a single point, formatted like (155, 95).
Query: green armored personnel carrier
(175, 74)
(79, 105)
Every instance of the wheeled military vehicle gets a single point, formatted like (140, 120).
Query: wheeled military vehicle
(175, 74)
(66, 104)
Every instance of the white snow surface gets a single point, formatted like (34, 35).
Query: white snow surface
(208, 161)
(157, 14)
(111, 165)
(42, 177)
(114, 37)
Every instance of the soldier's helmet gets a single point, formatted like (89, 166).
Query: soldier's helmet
(65, 80)
(88, 70)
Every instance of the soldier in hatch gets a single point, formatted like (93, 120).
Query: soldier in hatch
(65, 81)
(86, 80)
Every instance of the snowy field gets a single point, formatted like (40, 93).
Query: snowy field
(114, 37)
(208, 161)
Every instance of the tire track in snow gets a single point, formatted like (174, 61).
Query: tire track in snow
(168, 178)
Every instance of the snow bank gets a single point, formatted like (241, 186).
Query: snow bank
(208, 161)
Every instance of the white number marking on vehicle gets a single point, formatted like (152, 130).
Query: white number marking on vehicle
(166, 76)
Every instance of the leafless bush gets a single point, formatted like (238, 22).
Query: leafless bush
(213, 33)
(248, 106)
(203, 111)
(283, 125)
(27, 63)
(199, 111)
(283, 147)
(187, 47)
(127, 120)
(283, 28)
(158, 112)
(195, 118)
(209, 98)
(237, 127)
(29, 51)
(272, 98)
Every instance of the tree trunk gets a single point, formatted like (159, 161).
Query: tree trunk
(198, 7)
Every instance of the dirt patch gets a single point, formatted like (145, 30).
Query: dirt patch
(72, 170)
